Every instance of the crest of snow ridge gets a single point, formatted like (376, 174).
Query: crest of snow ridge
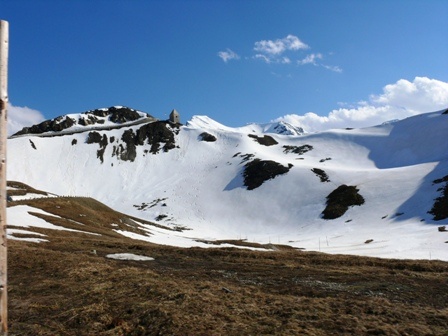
(160, 136)
(98, 119)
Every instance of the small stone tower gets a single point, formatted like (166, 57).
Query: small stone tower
(174, 117)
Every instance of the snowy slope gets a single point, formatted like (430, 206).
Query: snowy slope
(198, 185)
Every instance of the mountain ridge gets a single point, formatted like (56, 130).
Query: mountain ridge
(205, 188)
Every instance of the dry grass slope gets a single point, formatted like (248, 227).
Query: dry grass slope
(64, 288)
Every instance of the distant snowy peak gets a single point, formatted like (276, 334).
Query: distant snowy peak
(204, 122)
(393, 121)
(284, 128)
(102, 118)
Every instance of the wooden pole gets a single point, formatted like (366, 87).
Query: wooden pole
(4, 41)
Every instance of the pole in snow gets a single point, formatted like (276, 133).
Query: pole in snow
(4, 41)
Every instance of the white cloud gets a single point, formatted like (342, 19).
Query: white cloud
(398, 101)
(310, 59)
(270, 51)
(313, 59)
(278, 46)
(20, 117)
(334, 68)
(263, 58)
(421, 94)
(228, 55)
(279, 51)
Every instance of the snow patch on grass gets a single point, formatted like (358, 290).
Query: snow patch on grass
(128, 256)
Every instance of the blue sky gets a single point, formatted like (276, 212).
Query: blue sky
(320, 63)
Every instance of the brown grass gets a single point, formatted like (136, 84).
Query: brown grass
(63, 288)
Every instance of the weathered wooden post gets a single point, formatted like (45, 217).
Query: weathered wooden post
(4, 41)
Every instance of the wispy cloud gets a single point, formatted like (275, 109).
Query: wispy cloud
(334, 68)
(263, 58)
(272, 51)
(310, 59)
(282, 51)
(279, 46)
(315, 59)
(397, 101)
(22, 116)
(228, 55)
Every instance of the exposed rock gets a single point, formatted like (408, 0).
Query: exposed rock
(95, 137)
(54, 125)
(246, 157)
(286, 129)
(89, 120)
(207, 137)
(33, 145)
(129, 153)
(321, 174)
(439, 210)
(158, 134)
(258, 171)
(116, 114)
(297, 149)
(123, 114)
(265, 140)
(340, 199)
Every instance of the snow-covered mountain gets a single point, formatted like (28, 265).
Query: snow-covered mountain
(379, 191)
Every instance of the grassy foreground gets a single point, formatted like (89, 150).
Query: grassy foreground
(67, 286)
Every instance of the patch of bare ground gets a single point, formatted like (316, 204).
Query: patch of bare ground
(67, 287)
(20, 189)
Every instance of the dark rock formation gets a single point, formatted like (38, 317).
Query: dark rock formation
(159, 135)
(207, 137)
(117, 115)
(54, 125)
(95, 137)
(265, 140)
(439, 210)
(33, 145)
(297, 149)
(258, 171)
(321, 174)
(340, 199)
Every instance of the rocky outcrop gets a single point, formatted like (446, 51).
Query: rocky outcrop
(204, 136)
(439, 210)
(340, 199)
(115, 115)
(297, 149)
(101, 140)
(258, 171)
(265, 140)
(321, 174)
(158, 135)
(54, 125)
